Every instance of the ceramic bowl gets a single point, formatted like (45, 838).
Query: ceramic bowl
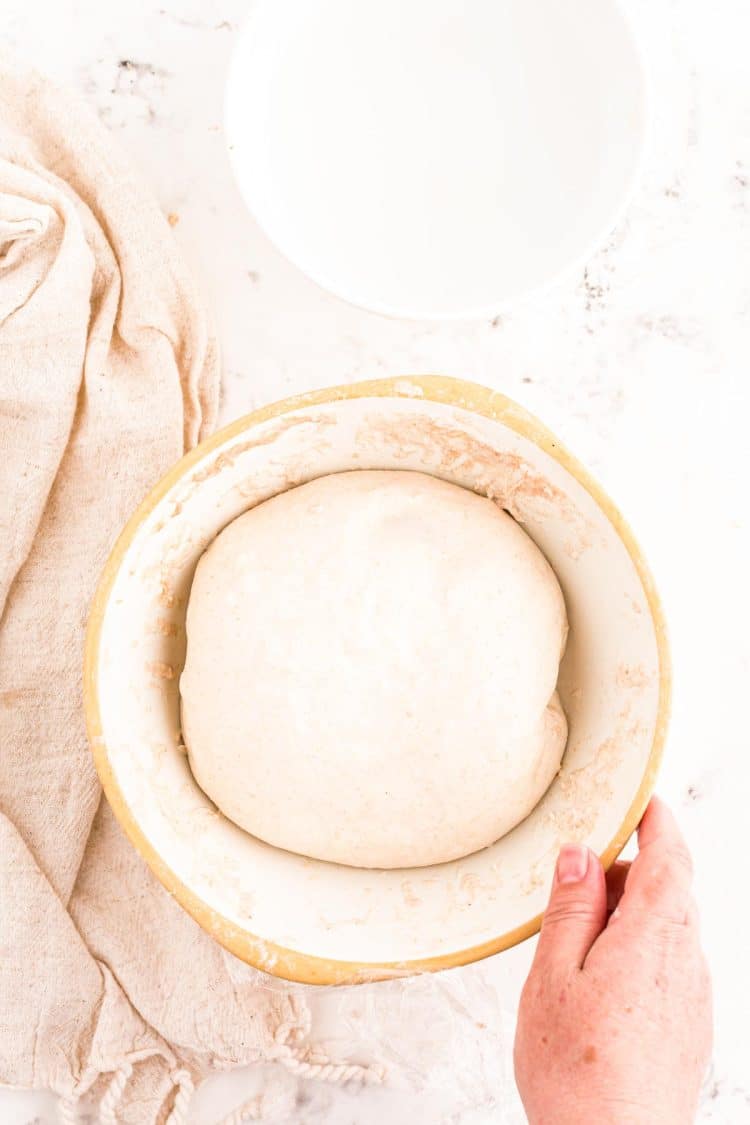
(436, 159)
(318, 922)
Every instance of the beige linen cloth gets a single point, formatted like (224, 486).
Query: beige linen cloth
(108, 372)
(110, 994)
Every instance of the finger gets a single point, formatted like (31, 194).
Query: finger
(658, 887)
(616, 878)
(657, 823)
(577, 910)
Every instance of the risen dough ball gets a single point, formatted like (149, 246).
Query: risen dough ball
(371, 669)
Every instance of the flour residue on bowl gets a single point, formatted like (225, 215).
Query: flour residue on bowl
(588, 788)
(503, 476)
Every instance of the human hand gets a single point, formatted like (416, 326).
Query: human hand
(615, 1020)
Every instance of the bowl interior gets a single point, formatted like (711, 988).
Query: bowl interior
(312, 920)
(436, 158)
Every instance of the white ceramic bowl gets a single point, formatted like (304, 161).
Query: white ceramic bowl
(319, 922)
(435, 158)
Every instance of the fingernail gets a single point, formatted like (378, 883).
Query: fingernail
(572, 863)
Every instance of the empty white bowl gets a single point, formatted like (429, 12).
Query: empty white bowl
(435, 158)
(319, 922)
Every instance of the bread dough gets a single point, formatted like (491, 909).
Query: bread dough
(371, 669)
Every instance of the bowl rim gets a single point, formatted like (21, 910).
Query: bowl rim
(291, 964)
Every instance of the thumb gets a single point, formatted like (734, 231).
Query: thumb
(577, 909)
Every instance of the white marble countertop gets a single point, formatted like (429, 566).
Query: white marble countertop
(640, 363)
